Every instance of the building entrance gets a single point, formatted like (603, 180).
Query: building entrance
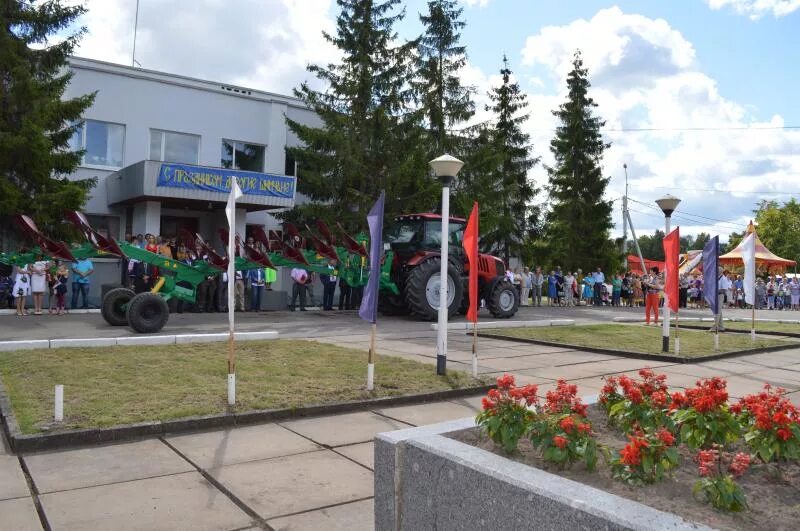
(171, 226)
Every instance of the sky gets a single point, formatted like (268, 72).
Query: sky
(699, 96)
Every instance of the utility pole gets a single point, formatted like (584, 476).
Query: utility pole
(625, 221)
(135, 30)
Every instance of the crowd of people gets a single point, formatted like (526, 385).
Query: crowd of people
(56, 279)
(557, 288)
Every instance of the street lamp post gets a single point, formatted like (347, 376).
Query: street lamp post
(667, 204)
(445, 168)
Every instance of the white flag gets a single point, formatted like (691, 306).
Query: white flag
(230, 211)
(748, 248)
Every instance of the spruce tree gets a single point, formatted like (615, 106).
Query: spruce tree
(512, 218)
(35, 123)
(443, 101)
(580, 219)
(367, 140)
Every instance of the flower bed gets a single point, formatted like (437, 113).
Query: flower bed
(725, 465)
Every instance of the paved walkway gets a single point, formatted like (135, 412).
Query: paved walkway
(310, 473)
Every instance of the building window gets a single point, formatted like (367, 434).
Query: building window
(107, 226)
(242, 156)
(103, 141)
(290, 166)
(167, 146)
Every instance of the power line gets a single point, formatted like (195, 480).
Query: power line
(700, 129)
(687, 216)
(758, 192)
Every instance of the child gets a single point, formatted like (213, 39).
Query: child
(22, 288)
(60, 289)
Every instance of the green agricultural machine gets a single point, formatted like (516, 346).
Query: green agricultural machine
(409, 275)
(148, 312)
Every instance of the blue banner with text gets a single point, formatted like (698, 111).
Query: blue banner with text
(219, 180)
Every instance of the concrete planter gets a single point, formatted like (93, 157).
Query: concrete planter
(424, 480)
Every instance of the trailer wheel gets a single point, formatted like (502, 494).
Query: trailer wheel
(422, 289)
(113, 308)
(148, 313)
(503, 300)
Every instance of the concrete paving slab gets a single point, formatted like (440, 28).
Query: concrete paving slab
(363, 453)
(19, 515)
(85, 467)
(295, 483)
(702, 370)
(344, 429)
(423, 414)
(787, 379)
(12, 480)
(516, 363)
(169, 503)
(739, 386)
(567, 372)
(226, 447)
(356, 516)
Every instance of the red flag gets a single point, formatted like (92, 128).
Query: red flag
(471, 248)
(672, 249)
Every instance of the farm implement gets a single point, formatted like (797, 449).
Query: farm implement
(409, 275)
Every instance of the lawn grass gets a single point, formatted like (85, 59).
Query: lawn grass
(120, 385)
(639, 338)
(790, 328)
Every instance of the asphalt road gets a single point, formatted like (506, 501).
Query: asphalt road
(306, 324)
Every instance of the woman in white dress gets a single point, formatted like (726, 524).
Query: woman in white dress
(38, 283)
(794, 289)
(22, 287)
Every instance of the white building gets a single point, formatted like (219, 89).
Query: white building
(163, 147)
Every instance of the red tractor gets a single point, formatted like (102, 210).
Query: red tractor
(415, 240)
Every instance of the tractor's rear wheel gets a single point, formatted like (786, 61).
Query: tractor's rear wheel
(503, 300)
(148, 312)
(113, 308)
(392, 304)
(422, 289)
(463, 308)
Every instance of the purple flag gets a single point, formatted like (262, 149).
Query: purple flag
(369, 303)
(711, 274)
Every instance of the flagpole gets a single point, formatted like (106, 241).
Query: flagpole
(474, 350)
(371, 358)
(677, 334)
(231, 271)
(753, 323)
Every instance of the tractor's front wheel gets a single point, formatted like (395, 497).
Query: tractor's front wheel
(503, 300)
(422, 289)
(113, 308)
(391, 304)
(148, 312)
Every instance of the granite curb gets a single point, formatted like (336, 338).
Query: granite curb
(175, 339)
(640, 355)
(22, 443)
(758, 332)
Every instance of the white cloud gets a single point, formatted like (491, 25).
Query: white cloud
(755, 9)
(645, 74)
(478, 3)
(264, 45)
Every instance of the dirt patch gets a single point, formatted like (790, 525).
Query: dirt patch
(774, 503)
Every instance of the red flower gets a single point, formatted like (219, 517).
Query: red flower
(506, 381)
(739, 464)
(567, 424)
(705, 462)
(560, 441)
(666, 437)
(487, 404)
(736, 409)
(494, 395)
(659, 399)
(630, 454)
(783, 434)
(583, 427)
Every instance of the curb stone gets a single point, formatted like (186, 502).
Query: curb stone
(642, 355)
(22, 443)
